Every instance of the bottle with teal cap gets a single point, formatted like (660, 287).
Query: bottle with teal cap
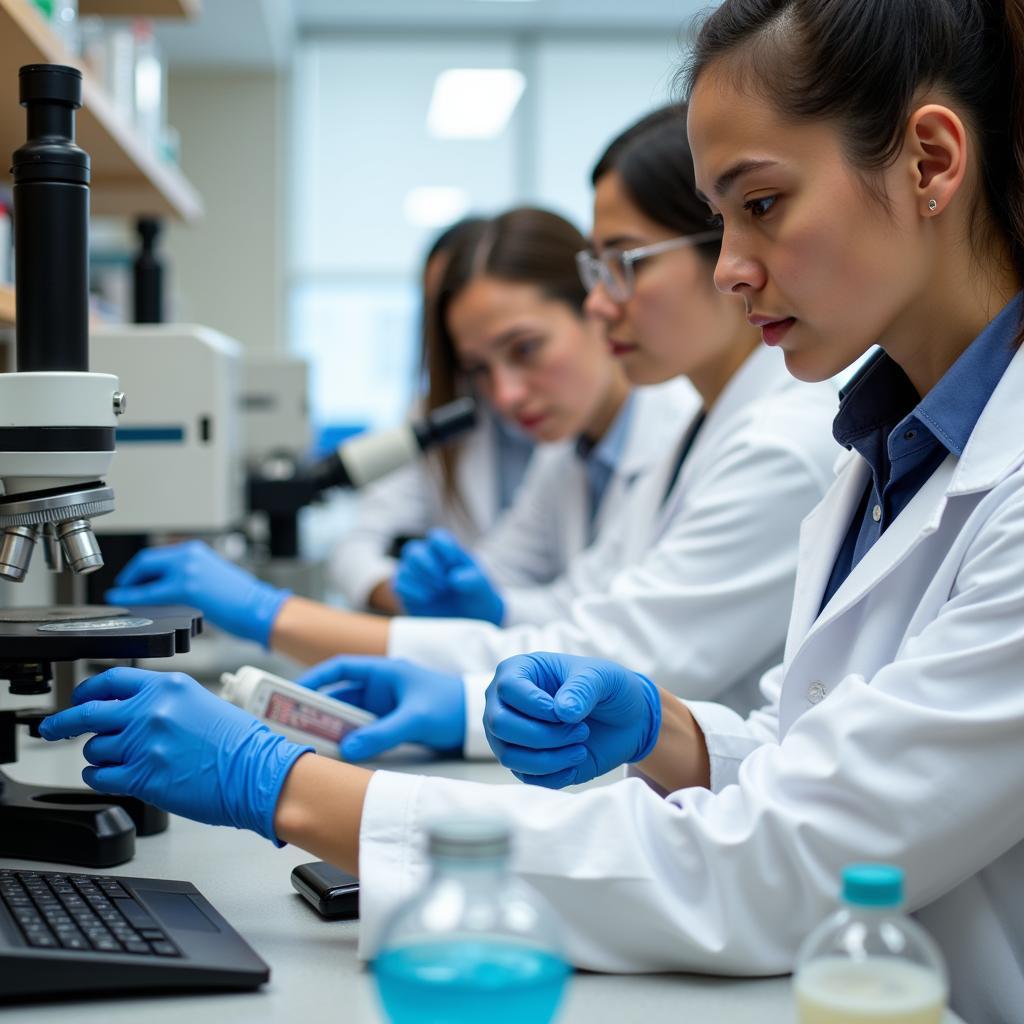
(476, 943)
(869, 963)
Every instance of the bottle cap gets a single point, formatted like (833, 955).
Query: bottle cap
(469, 838)
(873, 885)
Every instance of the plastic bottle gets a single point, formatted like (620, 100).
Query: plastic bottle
(302, 715)
(868, 963)
(476, 944)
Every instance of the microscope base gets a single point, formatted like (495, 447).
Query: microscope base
(64, 826)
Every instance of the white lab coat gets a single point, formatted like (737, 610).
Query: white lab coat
(411, 501)
(721, 548)
(894, 731)
(548, 525)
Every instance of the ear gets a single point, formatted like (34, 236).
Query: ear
(936, 145)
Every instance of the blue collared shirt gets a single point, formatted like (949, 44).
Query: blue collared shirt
(600, 460)
(905, 438)
(514, 449)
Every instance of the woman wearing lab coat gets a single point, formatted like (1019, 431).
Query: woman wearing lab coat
(711, 532)
(597, 440)
(463, 490)
(508, 313)
(863, 200)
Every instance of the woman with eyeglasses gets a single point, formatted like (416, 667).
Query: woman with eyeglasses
(464, 488)
(708, 537)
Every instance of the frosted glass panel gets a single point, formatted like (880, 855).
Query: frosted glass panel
(587, 92)
(363, 345)
(362, 145)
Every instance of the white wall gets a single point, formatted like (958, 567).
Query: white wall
(227, 270)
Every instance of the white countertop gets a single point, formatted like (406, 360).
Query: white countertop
(315, 975)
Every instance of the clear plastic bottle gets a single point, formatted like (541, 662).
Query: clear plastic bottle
(868, 963)
(476, 944)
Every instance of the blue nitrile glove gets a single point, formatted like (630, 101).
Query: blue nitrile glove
(438, 577)
(415, 705)
(556, 719)
(163, 738)
(193, 573)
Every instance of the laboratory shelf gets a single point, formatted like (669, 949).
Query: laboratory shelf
(6, 304)
(127, 178)
(140, 8)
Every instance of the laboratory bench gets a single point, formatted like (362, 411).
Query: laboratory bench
(315, 974)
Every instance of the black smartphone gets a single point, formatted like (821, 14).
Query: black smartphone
(333, 893)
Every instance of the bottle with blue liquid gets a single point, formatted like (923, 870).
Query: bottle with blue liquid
(476, 944)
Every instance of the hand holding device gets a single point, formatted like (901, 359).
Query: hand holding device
(438, 577)
(556, 719)
(193, 573)
(167, 740)
(414, 704)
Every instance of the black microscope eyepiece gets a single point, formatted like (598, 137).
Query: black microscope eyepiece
(51, 224)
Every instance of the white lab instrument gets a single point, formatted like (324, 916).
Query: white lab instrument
(302, 715)
(275, 407)
(179, 460)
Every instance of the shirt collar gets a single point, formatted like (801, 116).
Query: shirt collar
(608, 451)
(881, 395)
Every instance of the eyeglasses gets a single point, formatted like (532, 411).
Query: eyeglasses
(614, 268)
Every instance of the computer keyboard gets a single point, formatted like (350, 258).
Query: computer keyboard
(67, 933)
(83, 912)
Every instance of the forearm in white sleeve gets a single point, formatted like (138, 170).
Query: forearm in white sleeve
(915, 767)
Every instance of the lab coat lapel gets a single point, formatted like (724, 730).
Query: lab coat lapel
(763, 373)
(986, 461)
(917, 521)
(821, 535)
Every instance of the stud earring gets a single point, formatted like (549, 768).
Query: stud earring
(933, 204)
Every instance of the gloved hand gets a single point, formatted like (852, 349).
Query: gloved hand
(416, 705)
(438, 577)
(192, 573)
(165, 739)
(555, 719)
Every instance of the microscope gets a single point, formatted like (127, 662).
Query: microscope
(57, 441)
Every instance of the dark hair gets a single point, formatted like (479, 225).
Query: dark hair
(449, 237)
(863, 62)
(526, 246)
(654, 162)
(442, 245)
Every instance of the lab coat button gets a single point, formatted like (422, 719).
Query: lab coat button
(816, 693)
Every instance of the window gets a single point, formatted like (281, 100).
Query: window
(363, 163)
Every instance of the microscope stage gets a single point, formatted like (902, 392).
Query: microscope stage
(62, 633)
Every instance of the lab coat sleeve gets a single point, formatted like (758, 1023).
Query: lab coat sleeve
(475, 746)
(730, 737)
(705, 607)
(918, 765)
(402, 503)
(587, 572)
